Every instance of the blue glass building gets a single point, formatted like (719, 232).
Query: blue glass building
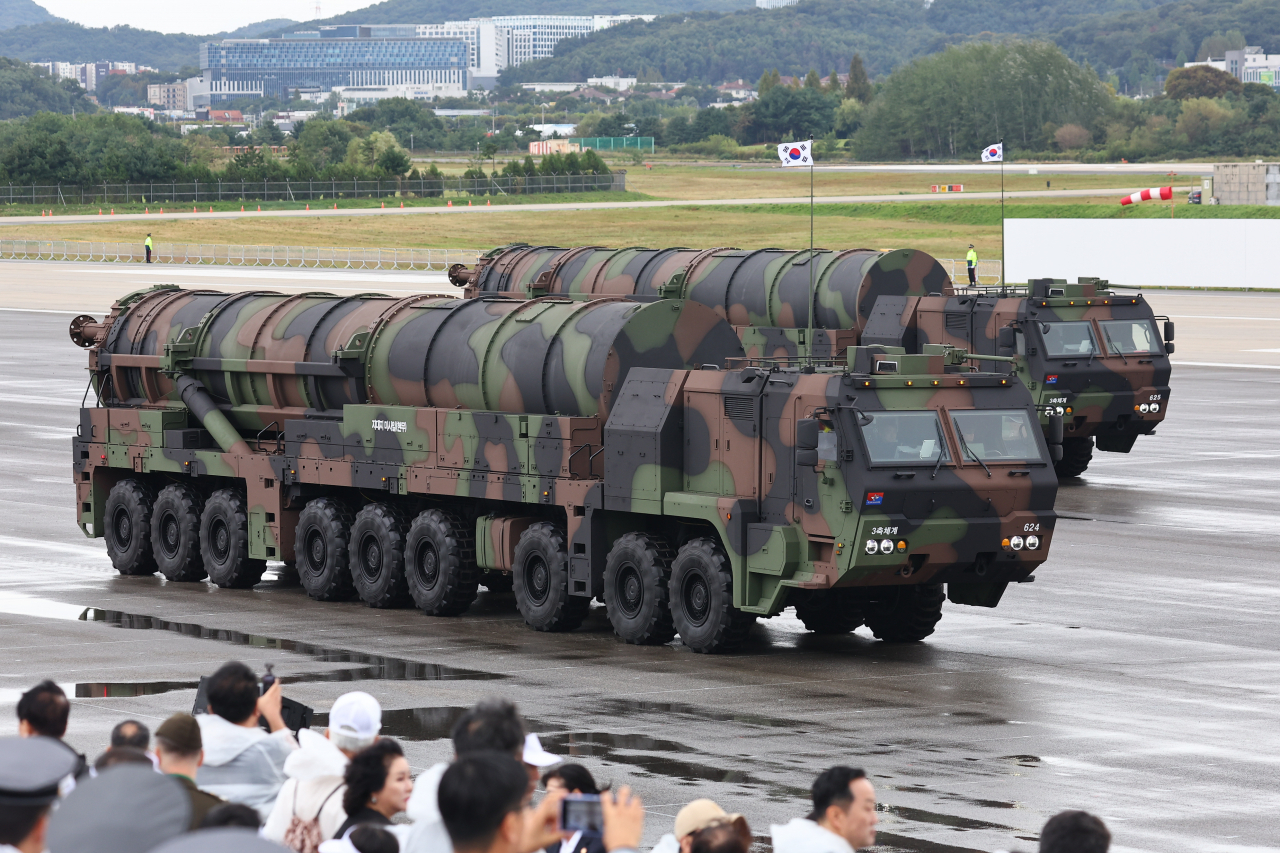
(332, 56)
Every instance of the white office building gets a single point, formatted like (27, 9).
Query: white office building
(491, 47)
(775, 4)
(1250, 65)
(545, 31)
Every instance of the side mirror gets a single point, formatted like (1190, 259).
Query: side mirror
(1054, 437)
(1168, 330)
(1006, 343)
(807, 434)
(1168, 347)
(806, 457)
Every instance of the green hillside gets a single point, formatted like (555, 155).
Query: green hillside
(20, 13)
(438, 11)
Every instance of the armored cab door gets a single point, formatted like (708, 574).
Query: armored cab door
(740, 450)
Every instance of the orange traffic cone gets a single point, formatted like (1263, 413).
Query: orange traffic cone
(488, 204)
(402, 205)
(308, 207)
(335, 205)
(468, 202)
(148, 210)
(259, 208)
(113, 211)
(384, 205)
(242, 208)
(99, 211)
(450, 204)
(193, 209)
(211, 208)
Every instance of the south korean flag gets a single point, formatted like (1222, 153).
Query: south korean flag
(796, 153)
(993, 153)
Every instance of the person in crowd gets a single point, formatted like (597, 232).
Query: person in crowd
(125, 809)
(309, 808)
(697, 815)
(44, 710)
(365, 838)
(484, 798)
(1074, 832)
(121, 755)
(722, 837)
(242, 763)
(231, 814)
(131, 733)
(492, 725)
(179, 753)
(378, 786)
(574, 779)
(31, 772)
(843, 817)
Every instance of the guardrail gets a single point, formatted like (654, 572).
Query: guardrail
(197, 192)
(988, 271)
(309, 257)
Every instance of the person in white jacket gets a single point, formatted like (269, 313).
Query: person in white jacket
(313, 790)
(843, 817)
(242, 763)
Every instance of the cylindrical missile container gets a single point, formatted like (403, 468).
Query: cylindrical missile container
(268, 357)
(763, 287)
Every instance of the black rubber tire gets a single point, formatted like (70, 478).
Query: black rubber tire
(127, 523)
(702, 599)
(377, 557)
(541, 581)
(637, 589)
(224, 541)
(175, 533)
(320, 550)
(833, 611)
(440, 563)
(1077, 453)
(904, 614)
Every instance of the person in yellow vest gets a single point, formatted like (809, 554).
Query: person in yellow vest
(147, 246)
(971, 260)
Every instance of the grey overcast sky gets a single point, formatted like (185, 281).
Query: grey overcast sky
(193, 16)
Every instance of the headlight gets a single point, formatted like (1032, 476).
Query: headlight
(872, 546)
(886, 546)
(1016, 543)
(1155, 407)
(1060, 410)
(1033, 542)
(1144, 408)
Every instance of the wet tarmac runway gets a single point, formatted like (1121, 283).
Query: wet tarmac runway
(1138, 678)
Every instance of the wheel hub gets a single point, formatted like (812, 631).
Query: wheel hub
(169, 534)
(697, 599)
(630, 590)
(220, 540)
(123, 527)
(371, 554)
(428, 565)
(316, 552)
(537, 579)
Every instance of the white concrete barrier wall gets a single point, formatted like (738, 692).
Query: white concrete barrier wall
(1169, 252)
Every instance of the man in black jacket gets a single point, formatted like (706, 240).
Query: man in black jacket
(44, 710)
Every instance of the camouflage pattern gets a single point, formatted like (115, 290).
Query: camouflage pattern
(603, 416)
(1107, 397)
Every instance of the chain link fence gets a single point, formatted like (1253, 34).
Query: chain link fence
(197, 192)
(308, 257)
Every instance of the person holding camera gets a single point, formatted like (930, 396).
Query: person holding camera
(574, 779)
(242, 763)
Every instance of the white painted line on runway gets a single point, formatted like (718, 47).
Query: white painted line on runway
(1273, 349)
(1225, 364)
(43, 311)
(228, 271)
(1216, 317)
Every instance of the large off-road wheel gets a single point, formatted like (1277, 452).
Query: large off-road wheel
(175, 533)
(904, 614)
(320, 548)
(128, 528)
(377, 556)
(541, 581)
(637, 577)
(701, 591)
(440, 563)
(1076, 455)
(833, 611)
(224, 541)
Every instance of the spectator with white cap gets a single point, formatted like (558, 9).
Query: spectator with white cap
(696, 816)
(309, 809)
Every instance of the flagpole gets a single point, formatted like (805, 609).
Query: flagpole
(809, 337)
(1002, 282)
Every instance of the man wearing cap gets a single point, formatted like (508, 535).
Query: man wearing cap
(313, 791)
(699, 814)
(180, 752)
(31, 771)
(242, 763)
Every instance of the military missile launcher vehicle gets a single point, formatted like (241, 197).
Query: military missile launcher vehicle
(407, 451)
(1086, 352)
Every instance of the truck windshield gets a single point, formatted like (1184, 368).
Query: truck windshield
(1130, 336)
(1003, 435)
(1065, 339)
(905, 438)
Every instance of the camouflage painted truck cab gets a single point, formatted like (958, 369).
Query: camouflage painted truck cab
(1090, 355)
(406, 451)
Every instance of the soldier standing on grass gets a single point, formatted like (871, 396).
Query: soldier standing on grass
(971, 260)
(147, 246)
